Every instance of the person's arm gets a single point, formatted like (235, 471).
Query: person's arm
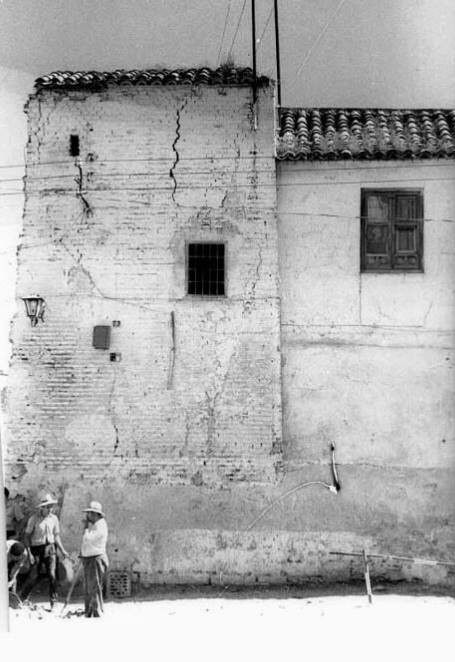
(15, 570)
(28, 539)
(95, 536)
(17, 512)
(58, 540)
(28, 531)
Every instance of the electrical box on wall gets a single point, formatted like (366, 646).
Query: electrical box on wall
(101, 337)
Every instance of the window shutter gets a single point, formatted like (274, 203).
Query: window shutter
(407, 231)
(391, 230)
(376, 231)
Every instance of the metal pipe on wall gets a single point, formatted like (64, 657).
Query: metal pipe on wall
(253, 39)
(277, 53)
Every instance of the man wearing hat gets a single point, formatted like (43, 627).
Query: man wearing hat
(18, 561)
(94, 558)
(42, 536)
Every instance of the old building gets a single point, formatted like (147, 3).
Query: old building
(228, 293)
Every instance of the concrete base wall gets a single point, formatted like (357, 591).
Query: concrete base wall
(251, 534)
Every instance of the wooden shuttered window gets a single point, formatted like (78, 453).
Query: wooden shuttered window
(392, 230)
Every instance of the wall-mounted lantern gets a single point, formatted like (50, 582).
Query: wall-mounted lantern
(34, 307)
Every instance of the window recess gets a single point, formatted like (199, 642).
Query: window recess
(206, 272)
(391, 230)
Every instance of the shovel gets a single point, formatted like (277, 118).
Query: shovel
(72, 585)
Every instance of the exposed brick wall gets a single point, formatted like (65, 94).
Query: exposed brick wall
(105, 239)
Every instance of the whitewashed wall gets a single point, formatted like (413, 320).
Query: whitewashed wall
(368, 359)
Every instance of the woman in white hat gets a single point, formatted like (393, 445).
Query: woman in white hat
(94, 558)
(42, 537)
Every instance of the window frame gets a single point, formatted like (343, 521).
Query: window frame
(393, 195)
(187, 268)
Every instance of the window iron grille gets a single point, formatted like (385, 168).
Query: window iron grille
(206, 269)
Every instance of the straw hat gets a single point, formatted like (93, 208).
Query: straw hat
(47, 500)
(94, 507)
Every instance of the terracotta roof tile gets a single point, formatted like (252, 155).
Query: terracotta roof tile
(340, 134)
(100, 79)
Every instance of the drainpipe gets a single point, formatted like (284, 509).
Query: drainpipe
(255, 86)
(253, 39)
(277, 53)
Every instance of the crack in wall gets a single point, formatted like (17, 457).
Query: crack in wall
(172, 350)
(36, 131)
(211, 421)
(247, 302)
(112, 413)
(258, 267)
(117, 439)
(174, 149)
(184, 450)
(78, 261)
(87, 210)
(425, 317)
(40, 126)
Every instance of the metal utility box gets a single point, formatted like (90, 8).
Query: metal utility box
(101, 337)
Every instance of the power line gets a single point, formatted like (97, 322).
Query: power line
(153, 159)
(152, 189)
(328, 166)
(316, 215)
(320, 36)
(162, 175)
(237, 30)
(224, 32)
(397, 162)
(299, 213)
(259, 41)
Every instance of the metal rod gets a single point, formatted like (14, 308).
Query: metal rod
(253, 38)
(172, 352)
(277, 53)
(367, 577)
(77, 574)
(397, 558)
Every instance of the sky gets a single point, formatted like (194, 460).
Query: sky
(372, 52)
(350, 53)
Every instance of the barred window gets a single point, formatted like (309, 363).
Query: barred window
(391, 230)
(206, 269)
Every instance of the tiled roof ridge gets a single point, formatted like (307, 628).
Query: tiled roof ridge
(365, 133)
(195, 76)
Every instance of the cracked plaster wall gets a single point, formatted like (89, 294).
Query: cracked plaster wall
(105, 239)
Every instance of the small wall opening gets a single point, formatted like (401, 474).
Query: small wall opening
(206, 269)
(74, 145)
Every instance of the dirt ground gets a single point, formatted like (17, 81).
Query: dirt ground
(213, 623)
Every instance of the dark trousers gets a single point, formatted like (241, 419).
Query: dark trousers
(94, 573)
(45, 565)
